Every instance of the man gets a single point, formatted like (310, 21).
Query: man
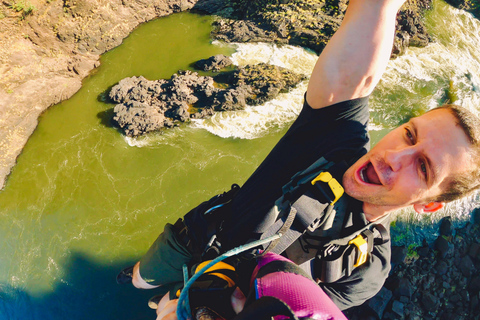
(414, 165)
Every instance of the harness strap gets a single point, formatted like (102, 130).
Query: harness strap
(307, 196)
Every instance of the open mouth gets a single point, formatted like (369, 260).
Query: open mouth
(369, 175)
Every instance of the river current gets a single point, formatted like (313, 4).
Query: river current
(84, 201)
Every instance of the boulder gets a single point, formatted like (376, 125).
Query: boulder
(188, 95)
(214, 63)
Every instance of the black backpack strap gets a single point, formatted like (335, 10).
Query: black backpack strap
(340, 257)
(306, 204)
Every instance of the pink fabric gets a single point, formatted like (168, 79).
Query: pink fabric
(305, 297)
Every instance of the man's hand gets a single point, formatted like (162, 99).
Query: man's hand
(167, 308)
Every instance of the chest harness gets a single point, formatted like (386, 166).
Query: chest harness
(307, 206)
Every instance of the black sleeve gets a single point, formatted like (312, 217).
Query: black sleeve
(364, 282)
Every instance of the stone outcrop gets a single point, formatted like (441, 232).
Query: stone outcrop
(307, 23)
(439, 280)
(214, 63)
(144, 106)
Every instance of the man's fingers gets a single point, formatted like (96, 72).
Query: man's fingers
(168, 312)
(163, 302)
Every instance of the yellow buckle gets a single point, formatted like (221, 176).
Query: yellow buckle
(336, 187)
(362, 246)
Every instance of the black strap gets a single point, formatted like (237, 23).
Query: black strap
(307, 201)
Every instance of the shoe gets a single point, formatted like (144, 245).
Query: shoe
(125, 276)
(154, 301)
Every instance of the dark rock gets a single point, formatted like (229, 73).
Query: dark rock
(429, 301)
(442, 268)
(380, 301)
(443, 246)
(476, 216)
(398, 254)
(404, 288)
(210, 6)
(474, 250)
(398, 307)
(466, 266)
(214, 63)
(446, 226)
(474, 285)
(241, 31)
(423, 251)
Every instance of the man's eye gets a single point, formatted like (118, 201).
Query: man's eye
(423, 168)
(409, 135)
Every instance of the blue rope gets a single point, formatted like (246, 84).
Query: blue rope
(183, 306)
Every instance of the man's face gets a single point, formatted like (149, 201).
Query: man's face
(413, 163)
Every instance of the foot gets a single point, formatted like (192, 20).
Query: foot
(153, 302)
(125, 276)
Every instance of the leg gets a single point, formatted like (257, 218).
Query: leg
(163, 263)
(137, 280)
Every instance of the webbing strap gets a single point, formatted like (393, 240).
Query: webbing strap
(344, 241)
(309, 210)
(284, 230)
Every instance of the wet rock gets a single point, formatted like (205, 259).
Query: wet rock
(404, 288)
(466, 266)
(443, 246)
(442, 268)
(429, 301)
(476, 216)
(474, 251)
(446, 227)
(474, 285)
(399, 254)
(380, 301)
(397, 307)
(214, 63)
(188, 95)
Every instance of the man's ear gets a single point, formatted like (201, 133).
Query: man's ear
(428, 208)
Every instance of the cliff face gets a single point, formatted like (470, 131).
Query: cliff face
(48, 47)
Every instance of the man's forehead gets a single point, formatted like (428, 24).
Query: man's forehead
(445, 142)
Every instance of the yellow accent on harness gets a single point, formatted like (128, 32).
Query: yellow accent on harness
(218, 266)
(336, 187)
(362, 246)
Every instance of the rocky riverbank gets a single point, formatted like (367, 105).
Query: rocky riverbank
(439, 280)
(48, 47)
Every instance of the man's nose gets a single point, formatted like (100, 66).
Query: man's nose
(399, 158)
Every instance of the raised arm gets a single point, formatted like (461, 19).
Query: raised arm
(355, 58)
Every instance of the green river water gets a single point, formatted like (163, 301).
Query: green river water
(84, 201)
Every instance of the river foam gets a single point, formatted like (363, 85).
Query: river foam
(255, 121)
